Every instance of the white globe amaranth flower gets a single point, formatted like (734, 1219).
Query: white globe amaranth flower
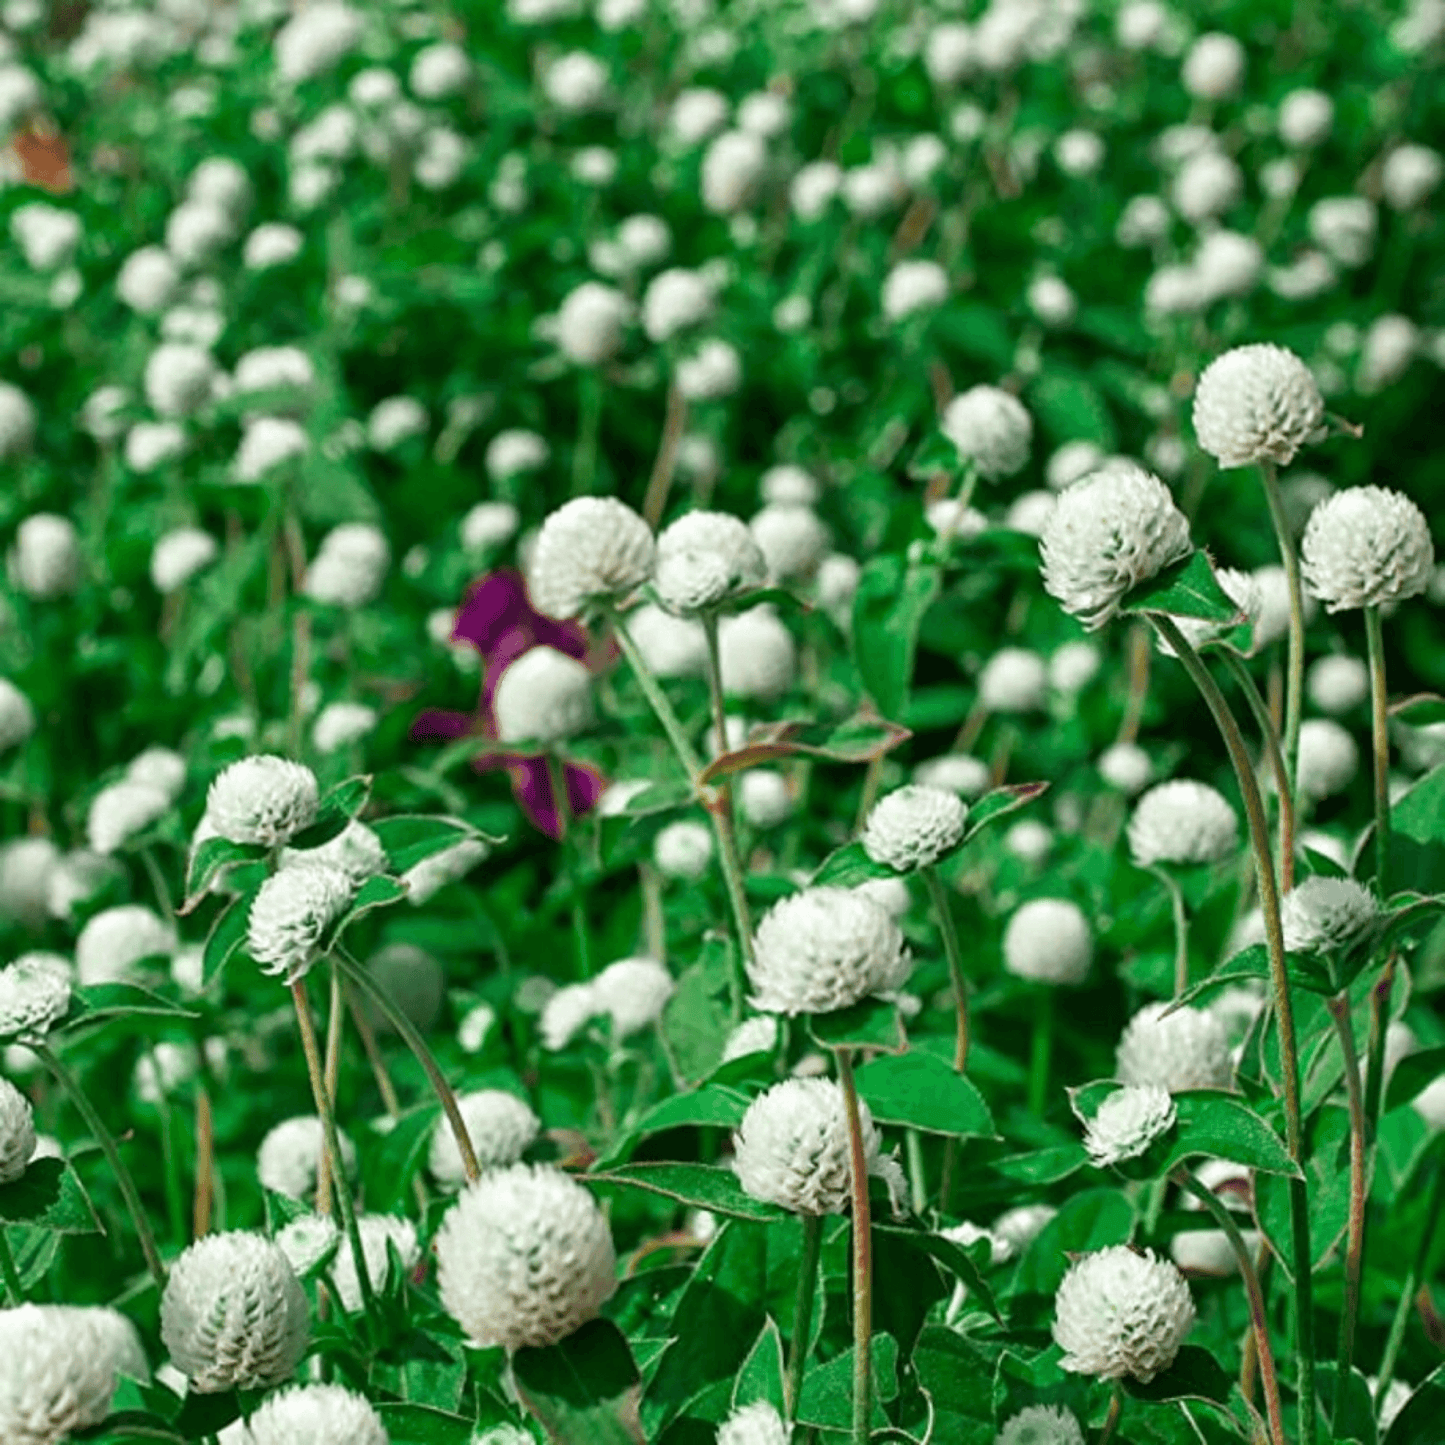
(1327, 915)
(1366, 547)
(179, 378)
(103, 414)
(567, 1011)
(991, 428)
(17, 717)
(591, 323)
(394, 420)
(1073, 666)
(814, 188)
(308, 1240)
(913, 286)
(315, 1415)
(1041, 1425)
(179, 555)
(1182, 822)
(590, 550)
(315, 39)
(674, 300)
(524, 1257)
(380, 1233)
(17, 421)
(791, 1148)
(1209, 183)
(1306, 117)
(265, 799)
(1256, 403)
(755, 1424)
(1128, 1122)
(147, 280)
(757, 656)
(475, 1027)
(47, 235)
(1019, 1226)
(765, 798)
(576, 82)
(670, 646)
(1111, 531)
(424, 880)
(489, 524)
(732, 170)
(1052, 300)
(1049, 940)
(683, 850)
(34, 995)
(710, 372)
(1214, 66)
(545, 696)
(1344, 226)
(1337, 683)
(341, 724)
(632, 992)
(500, 1125)
(115, 940)
(272, 244)
(439, 70)
(792, 538)
(824, 949)
(1329, 758)
(291, 914)
(1390, 345)
(17, 1132)
(355, 850)
(120, 811)
(350, 566)
(1410, 174)
(1013, 680)
(290, 1156)
(46, 562)
(233, 1314)
(150, 444)
(705, 557)
(914, 826)
(1176, 1048)
(956, 772)
(1429, 1104)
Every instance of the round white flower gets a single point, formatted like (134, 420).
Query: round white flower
(675, 299)
(1337, 683)
(576, 82)
(1013, 680)
(1126, 766)
(271, 245)
(150, 444)
(1119, 1313)
(1029, 841)
(1214, 67)
(765, 798)
(1326, 915)
(670, 646)
(756, 655)
(179, 555)
(17, 1132)
(489, 524)
(1256, 403)
(823, 949)
(1182, 822)
(46, 562)
(914, 826)
(318, 1415)
(1048, 940)
(990, 428)
(1366, 547)
(1128, 1122)
(290, 1156)
(1305, 118)
(755, 1424)
(1344, 226)
(1111, 531)
(1176, 1048)
(147, 280)
(704, 557)
(714, 370)
(438, 71)
(591, 323)
(955, 772)
(114, 940)
(178, 378)
(1052, 301)
(34, 994)
(233, 1314)
(17, 717)
(394, 420)
(315, 39)
(545, 696)
(683, 850)
(1041, 1425)
(632, 993)
(425, 879)
(732, 168)
(306, 1241)
(47, 235)
(350, 567)
(500, 1126)
(378, 1232)
(1410, 174)
(913, 286)
(757, 1035)
(591, 549)
(291, 914)
(120, 811)
(265, 800)
(524, 1257)
(1208, 184)
(340, 724)
(1329, 758)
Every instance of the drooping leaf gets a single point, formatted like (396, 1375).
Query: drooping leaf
(48, 1196)
(860, 740)
(872, 1024)
(701, 1186)
(919, 1090)
(585, 1389)
(848, 866)
(1187, 589)
(209, 859)
(227, 934)
(1042, 1166)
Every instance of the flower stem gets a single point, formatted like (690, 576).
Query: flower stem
(938, 897)
(205, 1165)
(1283, 1007)
(1111, 1420)
(1339, 1007)
(1270, 737)
(13, 1286)
(657, 700)
(1258, 1316)
(414, 1041)
(659, 484)
(330, 1074)
(111, 1150)
(1181, 929)
(1380, 738)
(812, 1225)
(862, 1257)
(1295, 665)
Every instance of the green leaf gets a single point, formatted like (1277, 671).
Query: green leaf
(998, 804)
(848, 866)
(1219, 1126)
(872, 1024)
(697, 1018)
(411, 1424)
(953, 1257)
(48, 1196)
(1070, 407)
(859, 740)
(1328, 1176)
(378, 892)
(411, 838)
(209, 859)
(712, 1105)
(585, 1390)
(702, 1186)
(1357, 1420)
(337, 809)
(761, 1376)
(919, 1090)
(1422, 1421)
(227, 934)
(959, 1380)
(1420, 710)
(1042, 1166)
(1194, 1375)
(397, 1158)
(1417, 837)
(1412, 1074)
(827, 1395)
(1187, 589)
(888, 610)
(1090, 1219)
(100, 1002)
(206, 1414)
(943, 706)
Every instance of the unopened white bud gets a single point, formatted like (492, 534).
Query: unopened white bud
(1048, 940)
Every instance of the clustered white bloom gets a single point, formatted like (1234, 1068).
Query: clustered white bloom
(1128, 1122)
(1175, 1047)
(705, 557)
(914, 826)
(1048, 940)
(1327, 915)
(290, 1156)
(318, 1414)
(1366, 547)
(591, 550)
(1182, 822)
(265, 800)
(350, 566)
(291, 914)
(1256, 403)
(545, 696)
(34, 994)
(991, 428)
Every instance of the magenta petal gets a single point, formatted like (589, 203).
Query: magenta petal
(440, 723)
(585, 785)
(494, 606)
(532, 787)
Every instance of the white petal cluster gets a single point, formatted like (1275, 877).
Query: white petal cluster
(121, 810)
(350, 566)
(591, 549)
(513, 451)
(439, 70)
(791, 1148)
(957, 772)
(913, 286)
(1048, 940)
(380, 1233)
(273, 243)
(1214, 67)
(178, 378)
(17, 1132)
(823, 949)
(308, 1240)
(114, 940)
(914, 826)
(1256, 403)
(1111, 531)
(1326, 915)
(1345, 227)
(316, 1415)
(683, 850)
(1013, 680)
(178, 555)
(290, 1156)
(524, 1257)
(47, 235)
(675, 299)
(34, 994)
(17, 717)
(1176, 1048)
(1182, 822)
(1329, 758)
(423, 880)
(765, 798)
(1128, 1122)
(233, 1313)
(565, 1013)
(705, 557)
(266, 443)
(1041, 1425)
(46, 560)
(147, 280)
(1118, 1314)
(315, 39)
(1409, 175)
(757, 656)
(591, 323)
(991, 428)
(291, 914)
(265, 800)
(632, 993)
(671, 646)
(576, 82)
(755, 1424)
(545, 696)
(757, 1035)
(792, 538)
(355, 850)
(732, 168)
(1366, 547)
(500, 1126)
(1337, 682)
(712, 371)
(489, 524)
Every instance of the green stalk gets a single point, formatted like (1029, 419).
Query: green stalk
(1380, 738)
(1283, 1006)
(1181, 928)
(1111, 1420)
(111, 1150)
(1275, 758)
(589, 418)
(812, 1225)
(938, 897)
(1295, 665)
(13, 1286)
(657, 699)
(562, 800)
(1339, 1007)
(862, 1257)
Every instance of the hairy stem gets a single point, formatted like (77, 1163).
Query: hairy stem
(330, 1075)
(812, 1226)
(1269, 735)
(659, 484)
(1339, 1007)
(1111, 1420)
(1181, 929)
(657, 700)
(1380, 741)
(938, 897)
(862, 1257)
(1295, 664)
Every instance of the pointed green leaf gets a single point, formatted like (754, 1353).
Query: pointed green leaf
(848, 866)
(416, 1424)
(48, 1196)
(872, 1024)
(585, 1389)
(227, 934)
(701, 1186)
(921, 1091)
(1218, 1126)
(412, 838)
(1194, 1375)
(1187, 589)
(337, 809)
(827, 1393)
(998, 804)
(209, 859)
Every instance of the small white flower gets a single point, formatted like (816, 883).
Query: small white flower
(813, 189)
(913, 286)
(1305, 118)
(317, 1414)
(47, 235)
(1073, 666)
(1366, 547)
(271, 245)
(377, 1231)
(179, 555)
(955, 772)
(756, 655)
(291, 914)
(732, 168)
(792, 539)
(632, 993)
(1120, 1313)
(1013, 680)
(1329, 758)
(306, 1241)
(675, 299)
(914, 826)
(1410, 174)
(115, 940)
(120, 811)
(1326, 915)
(500, 1126)
(704, 557)
(423, 880)
(683, 850)
(1029, 841)
(544, 696)
(1182, 822)
(1176, 1048)
(147, 280)
(1256, 403)
(438, 71)
(17, 1132)
(755, 1424)
(591, 549)
(315, 39)
(340, 724)
(591, 323)
(1128, 1122)
(566, 1012)
(265, 799)
(394, 420)
(823, 949)
(46, 561)
(524, 1257)
(17, 717)
(178, 378)
(1337, 683)
(290, 1156)
(34, 994)
(714, 370)
(765, 798)
(489, 524)
(757, 1035)
(1041, 1425)
(1214, 67)
(1048, 940)
(350, 567)
(991, 429)
(355, 850)
(1344, 226)
(576, 82)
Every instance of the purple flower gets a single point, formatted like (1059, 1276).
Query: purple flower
(498, 619)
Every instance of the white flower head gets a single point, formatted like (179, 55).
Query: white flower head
(318, 1415)
(1013, 680)
(46, 562)
(1366, 547)
(824, 949)
(17, 1132)
(291, 914)
(591, 549)
(1111, 531)
(147, 280)
(115, 940)
(991, 428)
(121, 810)
(179, 378)
(957, 772)
(34, 994)
(315, 39)
(438, 71)
(913, 286)
(576, 82)
(307, 1240)
(1120, 1313)
(632, 993)
(1214, 67)
(755, 1424)
(1182, 822)
(350, 566)
(1327, 915)
(791, 1148)
(524, 1257)
(591, 323)
(341, 724)
(272, 244)
(756, 1035)
(671, 646)
(17, 717)
(683, 850)
(179, 555)
(423, 880)
(380, 1233)
(914, 826)
(732, 169)
(704, 557)
(674, 300)
(265, 800)
(1048, 940)
(290, 1156)
(1128, 1122)
(1041, 1425)
(544, 696)
(500, 1126)
(792, 538)
(393, 420)
(1176, 1048)
(1410, 174)
(1256, 403)
(233, 1314)
(566, 1012)
(756, 655)
(1329, 758)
